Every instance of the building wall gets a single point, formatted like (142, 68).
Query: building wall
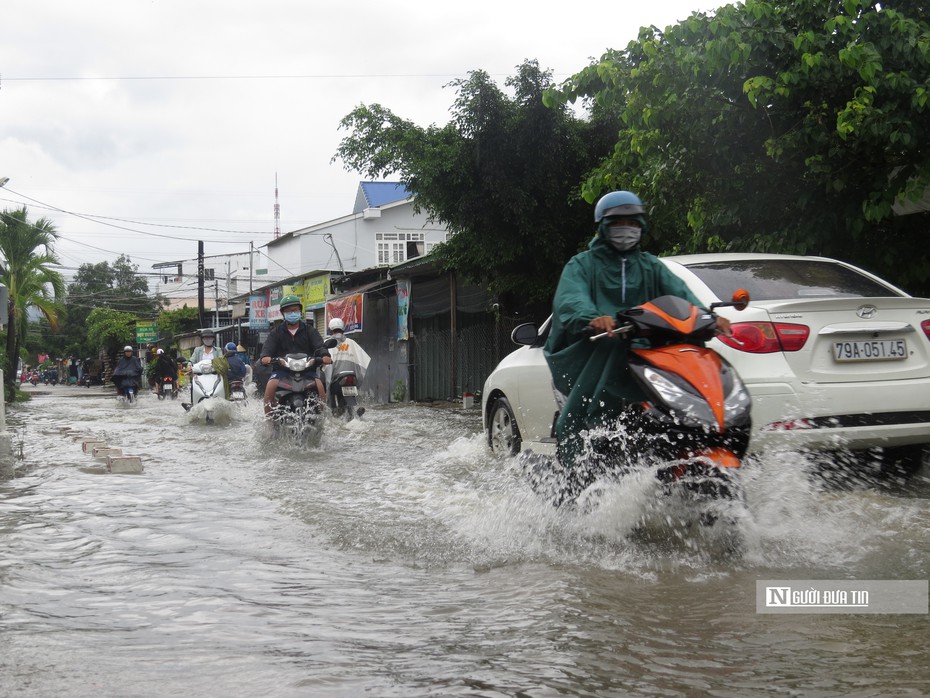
(355, 239)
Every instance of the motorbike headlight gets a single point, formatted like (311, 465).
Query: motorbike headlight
(297, 365)
(687, 404)
(737, 403)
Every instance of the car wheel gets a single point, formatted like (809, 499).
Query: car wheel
(503, 433)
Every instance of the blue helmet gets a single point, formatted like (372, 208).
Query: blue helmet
(620, 203)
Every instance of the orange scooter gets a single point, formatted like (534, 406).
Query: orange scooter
(694, 425)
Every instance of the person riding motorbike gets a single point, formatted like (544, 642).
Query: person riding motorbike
(348, 355)
(292, 336)
(128, 370)
(165, 367)
(206, 351)
(613, 274)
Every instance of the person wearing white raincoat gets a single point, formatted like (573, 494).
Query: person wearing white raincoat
(348, 357)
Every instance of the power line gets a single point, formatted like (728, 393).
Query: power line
(320, 76)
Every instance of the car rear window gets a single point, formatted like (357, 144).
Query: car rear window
(779, 279)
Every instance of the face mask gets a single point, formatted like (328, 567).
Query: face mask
(338, 336)
(623, 237)
(292, 318)
(207, 342)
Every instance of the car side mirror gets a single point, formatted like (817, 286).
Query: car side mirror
(526, 334)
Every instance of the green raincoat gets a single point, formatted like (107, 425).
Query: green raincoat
(595, 376)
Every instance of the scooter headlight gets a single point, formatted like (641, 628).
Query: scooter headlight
(297, 365)
(690, 407)
(737, 404)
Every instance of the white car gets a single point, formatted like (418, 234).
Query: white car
(834, 357)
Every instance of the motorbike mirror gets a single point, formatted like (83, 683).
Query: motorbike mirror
(331, 342)
(740, 299)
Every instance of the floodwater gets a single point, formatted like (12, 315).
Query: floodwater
(401, 559)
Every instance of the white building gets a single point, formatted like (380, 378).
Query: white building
(225, 276)
(382, 230)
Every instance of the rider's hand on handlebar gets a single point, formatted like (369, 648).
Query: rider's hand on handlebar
(604, 323)
(723, 327)
(266, 360)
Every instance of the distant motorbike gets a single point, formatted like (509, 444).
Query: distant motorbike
(166, 386)
(343, 396)
(237, 391)
(207, 386)
(127, 389)
(300, 409)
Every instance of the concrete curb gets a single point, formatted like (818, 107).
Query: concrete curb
(116, 462)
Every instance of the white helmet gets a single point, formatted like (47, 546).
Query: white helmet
(336, 324)
(127, 348)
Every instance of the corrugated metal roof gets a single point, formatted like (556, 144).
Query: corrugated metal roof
(375, 194)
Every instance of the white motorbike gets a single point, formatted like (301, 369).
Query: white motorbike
(207, 386)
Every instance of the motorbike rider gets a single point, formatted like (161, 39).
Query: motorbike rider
(347, 355)
(165, 367)
(236, 367)
(206, 351)
(613, 274)
(292, 336)
(128, 369)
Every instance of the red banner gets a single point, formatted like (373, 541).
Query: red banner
(349, 309)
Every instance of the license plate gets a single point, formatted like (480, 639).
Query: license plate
(870, 350)
(350, 391)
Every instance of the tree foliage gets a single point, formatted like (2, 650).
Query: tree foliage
(502, 176)
(27, 249)
(111, 329)
(171, 323)
(783, 126)
(116, 286)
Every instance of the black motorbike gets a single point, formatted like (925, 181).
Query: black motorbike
(300, 408)
(166, 386)
(343, 396)
(127, 388)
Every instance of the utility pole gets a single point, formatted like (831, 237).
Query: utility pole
(200, 306)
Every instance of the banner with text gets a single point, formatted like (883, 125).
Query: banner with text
(258, 312)
(349, 308)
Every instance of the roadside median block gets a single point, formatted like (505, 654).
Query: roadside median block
(104, 452)
(88, 445)
(124, 465)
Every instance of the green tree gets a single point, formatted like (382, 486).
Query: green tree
(171, 323)
(117, 286)
(502, 176)
(28, 253)
(787, 125)
(111, 329)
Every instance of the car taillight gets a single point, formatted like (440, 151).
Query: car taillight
(766, 337)
(925, 326)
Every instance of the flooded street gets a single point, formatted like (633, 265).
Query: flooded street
(401, 559)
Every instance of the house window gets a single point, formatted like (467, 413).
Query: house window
(394, 248)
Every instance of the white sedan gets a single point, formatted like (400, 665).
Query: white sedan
(834, 357)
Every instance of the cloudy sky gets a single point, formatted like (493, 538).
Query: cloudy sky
(142, 126)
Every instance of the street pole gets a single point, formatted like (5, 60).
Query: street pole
(200, 307)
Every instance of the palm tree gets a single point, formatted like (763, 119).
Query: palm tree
(27, 250)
